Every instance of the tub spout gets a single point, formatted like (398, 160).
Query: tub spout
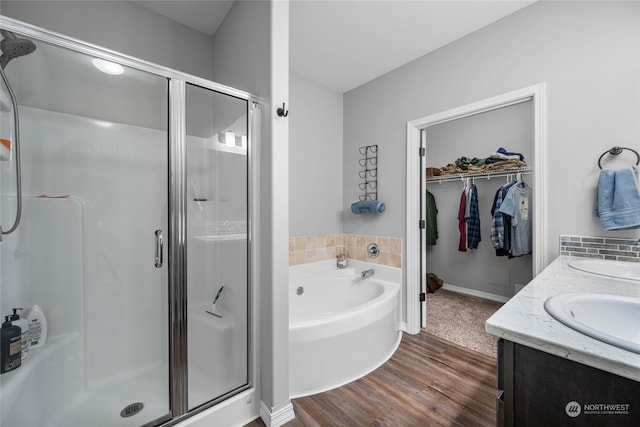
(367, 273)
(341, 261)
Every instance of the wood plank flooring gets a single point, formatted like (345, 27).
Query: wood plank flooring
(428, 382)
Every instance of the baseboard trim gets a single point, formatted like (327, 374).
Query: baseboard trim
(277, 418)
(474, 293)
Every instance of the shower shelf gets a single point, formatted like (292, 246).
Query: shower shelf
(221, 237)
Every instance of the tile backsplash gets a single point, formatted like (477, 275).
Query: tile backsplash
(614, 248)
(305, 249)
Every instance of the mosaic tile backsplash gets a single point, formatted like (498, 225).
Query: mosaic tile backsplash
(614, 248)
(305, 249)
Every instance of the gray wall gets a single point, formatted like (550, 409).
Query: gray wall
(315, 187)
(241, 49)
(124, 27)
(586, 52)
(477, 136)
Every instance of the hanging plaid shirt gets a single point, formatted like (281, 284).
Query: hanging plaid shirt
(497, 222)
(473, 224)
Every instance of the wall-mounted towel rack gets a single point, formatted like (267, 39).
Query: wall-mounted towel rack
(486, 174)
(369, 172)
(616, 151)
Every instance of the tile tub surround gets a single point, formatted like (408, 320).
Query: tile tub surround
(613, 248)
(524, 320)
(305, 249)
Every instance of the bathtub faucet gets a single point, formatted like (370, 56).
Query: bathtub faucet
(367, 273)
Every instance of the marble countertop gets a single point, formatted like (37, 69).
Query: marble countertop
(524, 320)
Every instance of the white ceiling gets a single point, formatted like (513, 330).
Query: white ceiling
(344, 44)
(202, 15)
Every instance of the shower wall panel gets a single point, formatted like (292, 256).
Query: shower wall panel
(48, 275)
(111, 171)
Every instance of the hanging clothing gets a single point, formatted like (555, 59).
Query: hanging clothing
(473, 221)
(464, 162)
(431, 212)
(462, 223)
(500, 222)
(467, 206)
(506, 219)
(517, 204)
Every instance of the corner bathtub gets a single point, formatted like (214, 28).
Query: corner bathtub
(341, 327)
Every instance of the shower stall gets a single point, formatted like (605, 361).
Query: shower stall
(134, 237)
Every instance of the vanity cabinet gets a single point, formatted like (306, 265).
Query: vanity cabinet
(540, 389)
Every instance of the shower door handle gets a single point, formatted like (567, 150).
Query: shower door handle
(159, 249)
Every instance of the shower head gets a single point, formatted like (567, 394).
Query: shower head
(13, 47)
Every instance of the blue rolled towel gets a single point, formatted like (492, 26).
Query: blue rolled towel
(509, 153)
(618, 200)
(368, 207)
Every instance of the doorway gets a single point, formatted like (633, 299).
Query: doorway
(416, 186)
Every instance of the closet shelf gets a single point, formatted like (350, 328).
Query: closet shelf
(485, 174)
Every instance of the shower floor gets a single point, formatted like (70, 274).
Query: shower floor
(74, 404)
(102, 407)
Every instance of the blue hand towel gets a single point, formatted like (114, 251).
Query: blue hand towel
(368, 206)
(618, 200)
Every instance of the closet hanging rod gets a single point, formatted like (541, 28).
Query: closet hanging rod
(487, 174)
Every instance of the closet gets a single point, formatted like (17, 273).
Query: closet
(478, 271)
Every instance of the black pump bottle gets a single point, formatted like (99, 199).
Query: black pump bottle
(10, 346)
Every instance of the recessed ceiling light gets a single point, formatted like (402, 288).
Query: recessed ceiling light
(107, 66)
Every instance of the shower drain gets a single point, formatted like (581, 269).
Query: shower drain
(132, 409)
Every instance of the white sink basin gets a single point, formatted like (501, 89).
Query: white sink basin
(609, 318)
(620, 269)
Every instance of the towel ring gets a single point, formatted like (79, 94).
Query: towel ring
(617, 150)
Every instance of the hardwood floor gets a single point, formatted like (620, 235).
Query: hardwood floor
(428, 382)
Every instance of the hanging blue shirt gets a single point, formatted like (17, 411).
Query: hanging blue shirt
(517, 204)
(473, 224)
(500, 230)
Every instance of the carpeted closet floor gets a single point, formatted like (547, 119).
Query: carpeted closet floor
(460, 318)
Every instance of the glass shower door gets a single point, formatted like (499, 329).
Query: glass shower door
(217, 245)
(88, 250)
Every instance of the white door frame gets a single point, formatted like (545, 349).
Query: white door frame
(416, 310)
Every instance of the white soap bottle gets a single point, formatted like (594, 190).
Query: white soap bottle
(37, 326)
